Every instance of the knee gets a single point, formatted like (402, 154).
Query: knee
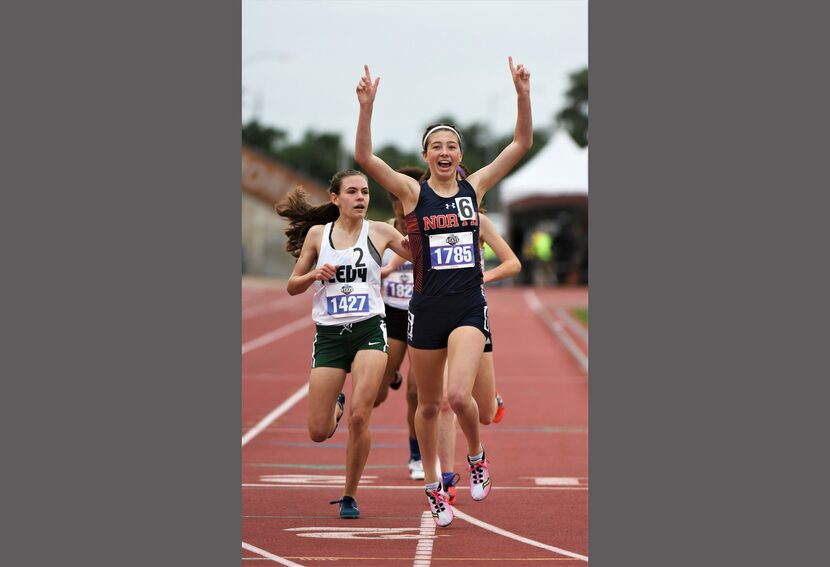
(484, 419)
(445, 406)
(317, 435)
(459, 401)
(429, 410)
(358, 421)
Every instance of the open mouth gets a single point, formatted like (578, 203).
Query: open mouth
(360, 207)
(444, 163)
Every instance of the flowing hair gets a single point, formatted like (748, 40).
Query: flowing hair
(302, 215)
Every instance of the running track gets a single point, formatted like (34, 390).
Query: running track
(537, 512)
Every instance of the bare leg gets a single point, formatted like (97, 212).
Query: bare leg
(446, 432)
(484, 389)
(411, 400)
(397, 350)
(367, 372)
(464, 354)
(429, 367)
(324, 385)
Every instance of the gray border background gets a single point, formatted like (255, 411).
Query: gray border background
(120, 238)
(121, 265)
(708, 131)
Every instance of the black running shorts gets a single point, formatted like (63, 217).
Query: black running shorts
(433, 318)
(396, 323)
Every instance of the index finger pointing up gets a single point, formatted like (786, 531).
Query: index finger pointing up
(366, 73)
(510, 61)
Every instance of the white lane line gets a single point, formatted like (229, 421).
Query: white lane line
(536, 306)
(575, 326)
(553, 480)
(270, 556)
(511, 535)
(423, 552)
(283, 407)
(276, 334)
(275, 305)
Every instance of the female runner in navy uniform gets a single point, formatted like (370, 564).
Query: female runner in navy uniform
(448, 311)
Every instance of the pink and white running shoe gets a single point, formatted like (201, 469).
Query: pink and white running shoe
(479, 478)
(440, 507)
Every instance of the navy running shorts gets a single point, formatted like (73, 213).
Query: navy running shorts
(433, 318)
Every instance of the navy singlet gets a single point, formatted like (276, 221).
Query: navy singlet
(443, 237)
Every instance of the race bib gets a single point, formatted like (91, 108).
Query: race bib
(398, 285)
(344, 299)
(451, 251)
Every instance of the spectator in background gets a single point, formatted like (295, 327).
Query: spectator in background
(563, 248)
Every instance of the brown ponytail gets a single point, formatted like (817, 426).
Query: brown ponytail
(302, 215)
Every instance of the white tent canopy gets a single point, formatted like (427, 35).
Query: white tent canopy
(559, 169)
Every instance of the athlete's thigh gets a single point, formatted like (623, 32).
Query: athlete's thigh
(464, 350)
(367, 372)
(324, 385)
(428, 365)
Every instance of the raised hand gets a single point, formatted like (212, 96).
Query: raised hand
(521, 77)
(366, 89)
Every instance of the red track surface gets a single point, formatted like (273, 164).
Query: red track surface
(544, 434)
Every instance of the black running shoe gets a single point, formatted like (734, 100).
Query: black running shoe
(396, 383)
(341, 401)
(348, 508)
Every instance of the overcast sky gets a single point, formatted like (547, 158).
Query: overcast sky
(301, 61)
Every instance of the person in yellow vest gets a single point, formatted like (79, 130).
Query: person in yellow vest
(541, 242)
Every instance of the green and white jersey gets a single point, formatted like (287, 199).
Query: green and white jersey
(353, 294)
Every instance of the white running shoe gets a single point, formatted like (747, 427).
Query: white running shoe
(479, 478)
(416, 470)
(440, 508)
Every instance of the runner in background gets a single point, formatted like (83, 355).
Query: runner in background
(396, 289)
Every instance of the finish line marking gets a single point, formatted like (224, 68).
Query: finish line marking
(423, 551)
(552, 480)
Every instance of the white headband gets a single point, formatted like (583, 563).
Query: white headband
(439, 127)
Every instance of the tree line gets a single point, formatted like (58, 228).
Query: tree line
(319, 154)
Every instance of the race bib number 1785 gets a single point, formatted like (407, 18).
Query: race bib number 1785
(451, 251)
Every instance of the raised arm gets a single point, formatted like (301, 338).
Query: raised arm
(402, 186)
(303, 276)
(486, 177)
(509, 264)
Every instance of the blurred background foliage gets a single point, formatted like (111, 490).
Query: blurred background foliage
(320, 154)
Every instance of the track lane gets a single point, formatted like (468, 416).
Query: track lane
(543, 435)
